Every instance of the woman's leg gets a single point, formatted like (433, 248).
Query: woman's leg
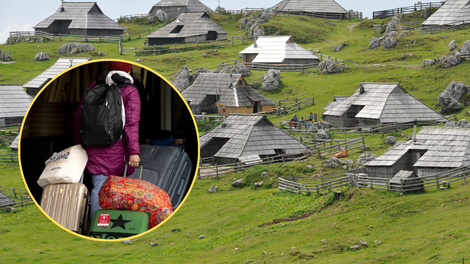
(98, 181)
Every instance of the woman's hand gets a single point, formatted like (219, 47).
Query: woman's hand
(134, 160)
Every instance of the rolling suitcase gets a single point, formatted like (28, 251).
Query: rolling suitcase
(169, 168)
(115, 224)
(67, 204)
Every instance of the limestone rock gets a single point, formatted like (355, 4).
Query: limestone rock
(5, 56)
(181, 81)
(315, 127)
(213, 189)
(255, 85)
(310, 50)
(347, 162)
(100, 53)
(466, 47)
(151, 19)
(448, 102)
(68, 46)
(238, 183)
(452, 45)
(374, 43)
(463, 123)
(202, 70)
(245, 13)
(429, 62)
(276, 74)
(330, 66)
(450, 124)
(392, 25)
(364, 158)
(75, 48)
(391, 140)
(240, 69)
(41, 56)
(264, 15)
(242, 24)
(161, 15)
(264, 174)
(322, 134)
(448, 61)
(336, 48)
(270, 84)
(202, 236)
(427, 13)
(390, 43)
(87, 47)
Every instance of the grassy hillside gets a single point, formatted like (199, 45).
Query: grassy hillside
(427, 227)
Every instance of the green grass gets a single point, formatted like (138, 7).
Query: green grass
(429, 227)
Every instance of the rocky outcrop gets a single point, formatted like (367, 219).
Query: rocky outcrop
(75, 48)
(330, 66)
(391, 140)
(392, 25)
(452, 45)
(181, 81)
(161, 15)
(272, 80)
(449, 99)
(41, 56)
(390, 43)
(322, 134)
(364, 158)
(240, 69)
(5, 55)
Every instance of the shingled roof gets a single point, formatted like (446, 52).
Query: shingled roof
(61, 65)
(84, 15)
(453, 12)
(188, 24)
(251, 135)
(311, 6)
(188, 6)
(14, 144)
(388, 102)
(14, 101)
(209, 84)
(276, 49)
(5, 200)
(446, 147)
(240, 96)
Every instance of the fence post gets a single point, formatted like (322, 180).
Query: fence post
(135, 51)
(22, 201)
(232, 42)
(14, 192)
(217, 43)
(437, 183)
(243, 40)
(175, 48)
(139, 34)
(120, 45)
(154, 49)
(217, 170)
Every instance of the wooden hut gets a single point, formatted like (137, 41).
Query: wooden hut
(229, 90)
(62, 64)
(436, 149)
(188, 28)
(175, 7)
(14, 102)
(453, 12)
(327, 9)
(79, 19)
(247, 135)
(277, 50)
(406, 181)
(379, 103)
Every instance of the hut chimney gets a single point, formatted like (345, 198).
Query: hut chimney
(361, 90)
(415, 122)
(178, 18)
(62, 9)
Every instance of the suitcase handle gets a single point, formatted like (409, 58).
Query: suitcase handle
(141, 166)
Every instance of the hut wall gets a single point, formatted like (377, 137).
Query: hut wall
(334, 120)
(13, 121)
(426, 171)
(194, 39)
(171, 11)
(380, 172)
(369, 122)
(164, 41)
(221, 161)
(300, 61)
(222, 36)
(95, 32)
(239, 110)
(266, 108)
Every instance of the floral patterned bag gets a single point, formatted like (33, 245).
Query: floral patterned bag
(120, 193)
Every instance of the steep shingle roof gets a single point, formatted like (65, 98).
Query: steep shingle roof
(61, 65)
(251, 135)
(452, 12)
(209, 84)
(277, 49)
(388, 102)
(83, 15)
(14, 144)
(446, 147)
(190, 24)
(14, 101)
(312, 6)
(239, 96)
(191, 6)
(5, 200)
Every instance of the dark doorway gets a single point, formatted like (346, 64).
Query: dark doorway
(256, 107)
(212, 35)
(177, 29)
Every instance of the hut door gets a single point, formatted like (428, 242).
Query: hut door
(212, 35)
(255, 108)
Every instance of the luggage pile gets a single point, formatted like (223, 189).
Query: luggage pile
(129, 205)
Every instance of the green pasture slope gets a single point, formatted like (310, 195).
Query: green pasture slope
(428, 227)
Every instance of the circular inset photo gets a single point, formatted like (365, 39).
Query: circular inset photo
(109, 149)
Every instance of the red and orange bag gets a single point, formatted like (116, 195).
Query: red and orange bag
(120, 193)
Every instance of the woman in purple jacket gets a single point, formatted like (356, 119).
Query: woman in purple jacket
(109, 160)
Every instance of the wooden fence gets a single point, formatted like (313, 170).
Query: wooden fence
(319, 184)
(9, 158)
(281, 67)
(206, 169)
(60, 37)
(19, 196)
(404, 10)
(181, 47)
(323, 57)
(418, 27)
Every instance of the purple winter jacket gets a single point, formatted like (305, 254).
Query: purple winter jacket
(109, 160)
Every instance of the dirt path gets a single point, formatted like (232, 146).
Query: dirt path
(351, 27)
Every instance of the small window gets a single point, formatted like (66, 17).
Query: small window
(240, 82)
(177, 29)
(351, 114)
